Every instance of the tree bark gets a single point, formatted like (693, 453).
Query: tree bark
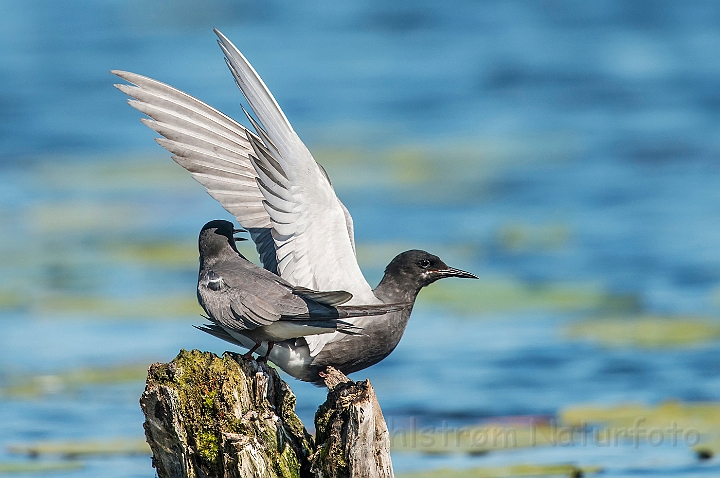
(208, 416)
(352, 436)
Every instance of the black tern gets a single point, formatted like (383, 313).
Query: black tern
(277, 191)
(242, 299)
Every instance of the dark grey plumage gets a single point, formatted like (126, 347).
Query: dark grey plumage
(242, 299)
(406, 274)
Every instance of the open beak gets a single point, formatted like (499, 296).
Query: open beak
(452, 272)
(237, 231)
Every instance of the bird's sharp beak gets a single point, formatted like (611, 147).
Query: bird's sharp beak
(452, 272)
(236, 231)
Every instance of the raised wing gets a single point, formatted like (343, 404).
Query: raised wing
(213, 147)
(309, 227)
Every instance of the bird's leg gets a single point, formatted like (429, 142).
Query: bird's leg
(249, 353)
(267, 354)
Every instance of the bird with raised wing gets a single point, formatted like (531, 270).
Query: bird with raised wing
(277, 191)
(245, 301)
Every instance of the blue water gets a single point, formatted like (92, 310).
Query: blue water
(597, 118)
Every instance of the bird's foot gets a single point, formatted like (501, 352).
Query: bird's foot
(267, 354)
(248, 354)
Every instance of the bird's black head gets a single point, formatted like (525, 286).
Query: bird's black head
(413, 270)
(216, 238)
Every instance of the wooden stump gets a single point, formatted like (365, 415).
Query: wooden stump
(207, 416)
(352, 437)
(210, 416)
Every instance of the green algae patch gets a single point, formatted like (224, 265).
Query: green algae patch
(74, 449)
(168, 307)
(472, 440)
(570, 471)
(125, 174)
(693, 425)
(11, 300)
(71, 380)
(489, 296)
(646, 331)
(169, 255)
(86, 306)
(234, 416)
(78, 217)
(27, 467)
(453, 171)
(520, 237)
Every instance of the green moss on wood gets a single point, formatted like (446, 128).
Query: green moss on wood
(222, 415)
(207, 445)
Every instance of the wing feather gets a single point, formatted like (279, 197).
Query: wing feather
(299, 199)
(213, 147)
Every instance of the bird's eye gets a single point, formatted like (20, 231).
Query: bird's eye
(425, 263)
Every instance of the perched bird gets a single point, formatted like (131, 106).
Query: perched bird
(245, 301)
(270, 182)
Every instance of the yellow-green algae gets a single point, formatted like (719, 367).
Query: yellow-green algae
(38, 385)
(570, 471)
(478, 297)
(24, 467)
(166, 254)
(74, 449)
(693, 425)
(166, 307)
(461, 168)
(488, 295)
(688, 424)
(473, 440)
(648, 331)
(77, 216)
(520, 237)
(112, 174)
(502, 295)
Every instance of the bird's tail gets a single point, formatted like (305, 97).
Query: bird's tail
(347, 328)
(349, 311)
(219, 332)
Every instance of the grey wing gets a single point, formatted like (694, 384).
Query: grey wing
(240, 294)
(213, 147)
(232, 308)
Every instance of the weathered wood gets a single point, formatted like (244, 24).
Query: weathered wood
(208, 416)
(352, 437)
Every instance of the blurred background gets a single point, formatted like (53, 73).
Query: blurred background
(565, 151)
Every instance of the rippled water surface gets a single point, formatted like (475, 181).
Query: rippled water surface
(566, 152)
